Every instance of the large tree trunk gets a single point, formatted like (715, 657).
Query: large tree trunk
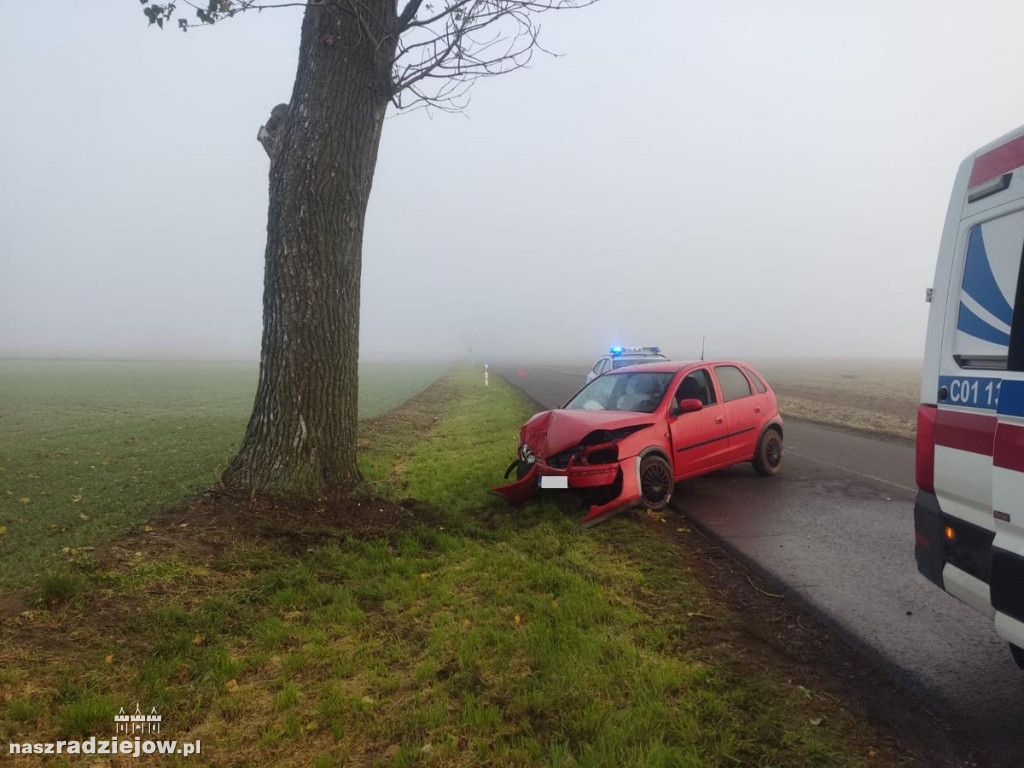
(301, 438)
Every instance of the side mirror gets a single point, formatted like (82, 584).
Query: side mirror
(690, 405)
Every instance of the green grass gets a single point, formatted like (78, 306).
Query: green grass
(89, 448)
(488, 636)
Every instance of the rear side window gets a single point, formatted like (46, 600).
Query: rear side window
(988, 287)
(758, 384)
(733, 383)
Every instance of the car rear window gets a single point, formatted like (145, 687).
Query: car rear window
(733, 383)
(758, 384)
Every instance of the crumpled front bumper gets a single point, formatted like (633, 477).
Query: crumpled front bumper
(581, 478)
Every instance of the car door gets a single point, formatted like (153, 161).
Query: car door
(700, 439)
(742, 412)
(1007, 565)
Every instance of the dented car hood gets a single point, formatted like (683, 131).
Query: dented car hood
(551, 432)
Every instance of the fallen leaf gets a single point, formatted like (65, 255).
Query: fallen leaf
(231, 686)
(465, 623)
(367, 700)
(183, 525)
(518, 620)
(872, 752)
(76, 498)
(34, 477)
(816, 720)
(682, 530)
(424, 576)
(147, 528)
(197, 640)
(108, 659)
(312, 725)
(83, 515)
(3, 530)
(24, 499)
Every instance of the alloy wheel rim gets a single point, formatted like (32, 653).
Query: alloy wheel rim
(773, 451)
(655, 483)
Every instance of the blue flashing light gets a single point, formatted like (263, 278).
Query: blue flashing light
(616, 350)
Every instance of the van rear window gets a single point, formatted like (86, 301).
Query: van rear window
(991, 264)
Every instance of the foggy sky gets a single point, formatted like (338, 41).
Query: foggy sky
(771, 175)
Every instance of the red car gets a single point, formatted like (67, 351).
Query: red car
(628, 436)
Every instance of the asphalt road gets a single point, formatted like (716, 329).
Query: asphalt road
(835, 528)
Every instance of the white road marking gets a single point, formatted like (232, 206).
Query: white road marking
(852, 471)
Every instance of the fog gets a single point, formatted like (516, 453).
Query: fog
(772, 176)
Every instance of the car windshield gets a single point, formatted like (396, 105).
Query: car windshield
(633, 391)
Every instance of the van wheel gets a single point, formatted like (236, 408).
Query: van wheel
(1018, 654)
(768, 459)
(655, 482)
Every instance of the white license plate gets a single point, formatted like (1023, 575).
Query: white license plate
(554, 481)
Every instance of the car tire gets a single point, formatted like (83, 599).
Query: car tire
(768, 458)
(656, 482)
(1018, 654)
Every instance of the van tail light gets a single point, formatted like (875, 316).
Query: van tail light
(925, 467)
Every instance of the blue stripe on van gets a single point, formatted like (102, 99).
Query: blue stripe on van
(979, 282)
(1011, 398)
(972, 325)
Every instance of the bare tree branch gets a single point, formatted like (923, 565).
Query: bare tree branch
(443, 52)
(434, 50)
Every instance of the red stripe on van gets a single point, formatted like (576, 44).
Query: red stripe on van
(1007, 157)
(972, 432)
(1009, 447)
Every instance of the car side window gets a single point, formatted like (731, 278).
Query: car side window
(598, 368)
(758, 384)
(697, 386)
(606, 365)
(733, 383)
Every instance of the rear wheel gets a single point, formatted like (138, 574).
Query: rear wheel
(1018, 654)
(655, 482)
(768, 459)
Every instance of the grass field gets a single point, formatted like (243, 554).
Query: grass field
(878, 396)
(89, 448)
(473, 636)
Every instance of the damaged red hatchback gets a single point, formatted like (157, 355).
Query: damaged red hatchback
(628, 436)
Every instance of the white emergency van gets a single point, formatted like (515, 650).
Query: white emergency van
(969, 513)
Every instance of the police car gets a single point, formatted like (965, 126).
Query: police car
(620, 357)
(969, 512)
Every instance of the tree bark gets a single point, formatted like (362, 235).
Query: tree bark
(301, 438)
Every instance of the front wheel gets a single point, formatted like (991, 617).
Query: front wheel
(655, 482)
(768, 459)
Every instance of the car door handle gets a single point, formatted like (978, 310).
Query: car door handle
(757, 410)
(718, 420)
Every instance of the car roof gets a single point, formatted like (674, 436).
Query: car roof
(673, 366)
